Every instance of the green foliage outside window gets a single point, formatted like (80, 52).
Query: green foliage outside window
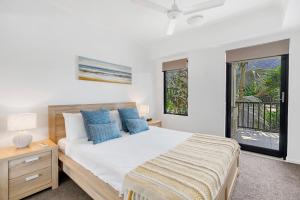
(272, 82)
(264, 83)
(267, 86)
(176, 92)
(251, 89)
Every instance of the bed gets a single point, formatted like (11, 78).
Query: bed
(102, 178)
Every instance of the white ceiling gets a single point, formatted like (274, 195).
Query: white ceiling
(121, 17)
(231, 8)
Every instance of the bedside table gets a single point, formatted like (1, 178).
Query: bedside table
(154, 122)
(26, 171)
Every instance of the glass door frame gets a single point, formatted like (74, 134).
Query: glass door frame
(282, 152)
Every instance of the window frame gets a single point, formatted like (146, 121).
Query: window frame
(165, 91)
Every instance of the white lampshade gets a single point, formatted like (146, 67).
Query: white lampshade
(21, 122)
(144, 110)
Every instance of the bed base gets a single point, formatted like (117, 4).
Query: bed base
(92, 185)
(230, 181)
(99, 190)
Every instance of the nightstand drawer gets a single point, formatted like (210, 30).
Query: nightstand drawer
(25, 165)
(29, 183)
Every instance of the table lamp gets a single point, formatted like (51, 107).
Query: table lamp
(144, 112)
(22, 122)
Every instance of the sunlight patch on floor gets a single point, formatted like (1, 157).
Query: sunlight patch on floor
(258, 138)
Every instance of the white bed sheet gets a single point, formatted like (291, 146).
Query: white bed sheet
(112, 160)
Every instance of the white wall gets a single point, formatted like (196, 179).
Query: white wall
(294, 100)
(207, 84)
(38, 67)
(206, 97)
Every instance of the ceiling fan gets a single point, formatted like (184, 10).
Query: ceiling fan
(174, 12)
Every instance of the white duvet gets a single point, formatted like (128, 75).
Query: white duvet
(112, 160)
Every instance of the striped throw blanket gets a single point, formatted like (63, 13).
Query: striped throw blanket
(195, 169)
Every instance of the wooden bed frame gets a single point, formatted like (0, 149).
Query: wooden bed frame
(91, 184)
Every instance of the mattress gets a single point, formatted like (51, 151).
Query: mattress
(112, 160)
(195, 169)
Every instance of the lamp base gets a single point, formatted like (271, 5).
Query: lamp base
(22, 141)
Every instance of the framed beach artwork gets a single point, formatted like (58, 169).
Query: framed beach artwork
(100, 71)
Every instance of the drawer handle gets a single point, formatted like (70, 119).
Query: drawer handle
(29, 160)
(32, 177)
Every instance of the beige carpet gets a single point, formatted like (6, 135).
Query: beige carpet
(260, 179)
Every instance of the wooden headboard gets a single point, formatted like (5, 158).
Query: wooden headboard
(56, 121)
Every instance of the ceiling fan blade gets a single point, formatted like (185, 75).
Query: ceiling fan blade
(171, 26)
(151, 5)
(205, 6)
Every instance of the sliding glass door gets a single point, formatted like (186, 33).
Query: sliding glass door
(257, 104)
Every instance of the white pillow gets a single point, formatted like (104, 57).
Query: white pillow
(114, 116)
(74, 126)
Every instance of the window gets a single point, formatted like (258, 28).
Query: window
(176, 90)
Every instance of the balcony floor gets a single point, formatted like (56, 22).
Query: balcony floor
(258, 138)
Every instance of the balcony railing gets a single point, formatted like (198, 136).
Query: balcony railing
(259, 116)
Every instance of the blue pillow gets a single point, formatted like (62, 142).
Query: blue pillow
(128, 113)
(104, 132)
(95, 117)
(136, 125)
